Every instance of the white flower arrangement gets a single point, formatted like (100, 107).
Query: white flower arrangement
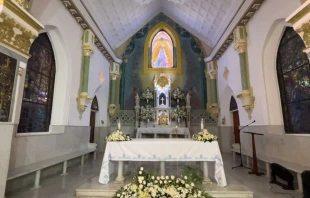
(117, 136)
(178, 94)
(205, 136)
(147, 112)
(179, 112)
(147, 95)
(145, 185)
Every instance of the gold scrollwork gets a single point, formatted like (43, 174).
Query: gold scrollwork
(162, 81)
(21, 41)
(304, 32)
(23, 3)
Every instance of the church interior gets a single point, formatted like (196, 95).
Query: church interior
(154, 98)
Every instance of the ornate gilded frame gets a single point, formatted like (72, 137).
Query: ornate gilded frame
(176, 42)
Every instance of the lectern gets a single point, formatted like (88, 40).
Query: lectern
(255, 168)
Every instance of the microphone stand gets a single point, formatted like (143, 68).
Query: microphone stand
(241, 163)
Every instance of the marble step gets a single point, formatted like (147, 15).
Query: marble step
(96, 193)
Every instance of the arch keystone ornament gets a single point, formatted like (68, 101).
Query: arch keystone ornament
(246, 96)
(300, 19)
(88, 50)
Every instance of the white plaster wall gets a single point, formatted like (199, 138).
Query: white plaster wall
(53, 13)
(66, 38)
(257, 28)
(264, 33)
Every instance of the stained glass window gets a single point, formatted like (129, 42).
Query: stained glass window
(162, 50)
(39, 87)
(293, 76)
(7, 77)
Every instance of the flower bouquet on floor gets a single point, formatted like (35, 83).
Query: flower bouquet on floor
(117, 136)
(205, 136)
(145, 185)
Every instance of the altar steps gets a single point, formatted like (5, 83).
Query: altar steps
(93, 189)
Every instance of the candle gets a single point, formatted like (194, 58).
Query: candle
(201, 125)
(119, 125)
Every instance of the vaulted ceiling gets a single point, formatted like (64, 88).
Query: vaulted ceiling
(118, 20)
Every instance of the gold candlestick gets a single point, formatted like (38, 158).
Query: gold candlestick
(176, 131)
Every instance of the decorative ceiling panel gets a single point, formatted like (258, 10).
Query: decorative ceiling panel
(121, 19)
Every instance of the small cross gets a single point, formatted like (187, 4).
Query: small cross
(7, 62)
(162, 100)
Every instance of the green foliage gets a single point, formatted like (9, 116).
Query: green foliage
(194, 175)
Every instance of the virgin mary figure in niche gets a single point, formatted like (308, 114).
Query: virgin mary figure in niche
(162, 51)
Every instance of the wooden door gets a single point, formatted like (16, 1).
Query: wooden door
(236, 126)
(92, 125)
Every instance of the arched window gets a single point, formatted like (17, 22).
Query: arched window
(293, 76)
(39, 87)
(162, 51)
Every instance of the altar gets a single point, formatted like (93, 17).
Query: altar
(162, 150)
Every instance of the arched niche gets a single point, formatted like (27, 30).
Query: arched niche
(162, 26)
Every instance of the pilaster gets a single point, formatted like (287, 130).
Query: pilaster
(88, 50)
(211, 73)
(300, 19)
(246, 96)
(115, 73)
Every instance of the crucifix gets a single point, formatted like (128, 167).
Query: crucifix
(162, 100)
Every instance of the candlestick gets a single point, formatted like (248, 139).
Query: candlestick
(201, 125)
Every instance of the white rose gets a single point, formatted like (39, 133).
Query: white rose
(153, 177)
(140, 172)
(118, 195)
(144, 182)
(140, 186)
(167, 177)
(165, 181)
(192, 184)
(172, 177)
(185, 177)
(141, 168)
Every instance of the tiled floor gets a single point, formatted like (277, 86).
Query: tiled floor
(64, 187)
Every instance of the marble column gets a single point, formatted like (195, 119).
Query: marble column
(113, 108)
(300, 19)
(240, 39)
(88, 50)
(211, 73)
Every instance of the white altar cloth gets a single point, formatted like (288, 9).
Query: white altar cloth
(162, 130)
(163, 150)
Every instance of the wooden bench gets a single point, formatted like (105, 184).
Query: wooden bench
(291, 166)
(37, 167)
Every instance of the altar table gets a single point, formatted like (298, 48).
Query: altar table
(162, 130)
(162, 150)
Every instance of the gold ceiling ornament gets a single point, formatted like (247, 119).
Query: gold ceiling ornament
(23, 3)
(20, 39)
(163, 81)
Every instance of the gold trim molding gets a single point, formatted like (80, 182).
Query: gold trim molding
(84, 25)
(176, 42)
(23, 14)
(20, 41)
(245, 19)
